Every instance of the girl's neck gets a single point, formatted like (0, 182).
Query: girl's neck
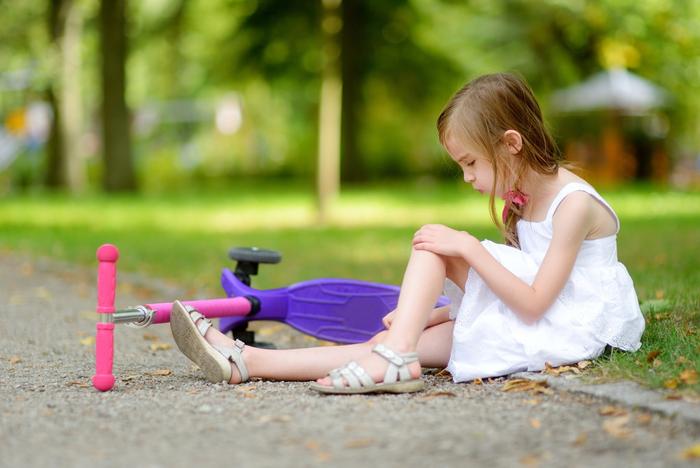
(539, 188)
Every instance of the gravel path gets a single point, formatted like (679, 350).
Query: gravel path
(51, 416)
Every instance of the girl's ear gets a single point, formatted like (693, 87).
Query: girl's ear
(513, 141)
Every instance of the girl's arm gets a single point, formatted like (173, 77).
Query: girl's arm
(572, 222)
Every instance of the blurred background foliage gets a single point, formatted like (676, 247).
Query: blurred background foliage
(224, 89)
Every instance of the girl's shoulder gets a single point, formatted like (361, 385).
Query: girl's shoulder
(577, 193)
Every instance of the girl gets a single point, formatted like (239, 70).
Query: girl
(554, 292)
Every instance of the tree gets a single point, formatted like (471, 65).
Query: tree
(116, 139)
(65, 164)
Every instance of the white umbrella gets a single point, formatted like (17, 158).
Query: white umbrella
(611, 89)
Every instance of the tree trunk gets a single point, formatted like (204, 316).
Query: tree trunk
(330, 107)
(66, 167)
(352, 66)
(116, 141)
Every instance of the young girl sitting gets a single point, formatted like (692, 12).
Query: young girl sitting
(554, 292)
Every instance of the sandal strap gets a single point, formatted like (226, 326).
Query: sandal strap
(398, 363)
(354, 375)
(195, 315)
(234, 356)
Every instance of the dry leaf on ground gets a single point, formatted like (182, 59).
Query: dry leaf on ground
(87, 341)
(551, 370)
(692, 452)
(430, 396)
(78, 383)
(359, 443)
(671, 384)
(150, 337)
(159, 346)
(617, 427)
(160, 372)
(610, 410)
(525, 385)
(581, 439)
(531, 459)
(689, 376)
(15, 360)
(583, 364)
(653, 355)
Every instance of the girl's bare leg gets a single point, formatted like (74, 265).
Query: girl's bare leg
(422, 284)
(312, 363)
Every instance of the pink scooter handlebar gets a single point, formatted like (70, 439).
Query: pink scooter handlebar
(107, 256)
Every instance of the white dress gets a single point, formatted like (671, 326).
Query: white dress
(597, 307)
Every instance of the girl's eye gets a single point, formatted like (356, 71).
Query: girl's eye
(471, 163)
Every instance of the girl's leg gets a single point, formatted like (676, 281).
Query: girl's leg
(312, 363)
(422, 284)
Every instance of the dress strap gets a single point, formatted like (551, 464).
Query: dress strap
(579, 187)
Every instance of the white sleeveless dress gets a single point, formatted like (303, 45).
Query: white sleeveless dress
(597, 307)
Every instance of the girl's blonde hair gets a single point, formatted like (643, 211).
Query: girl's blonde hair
(480, 113)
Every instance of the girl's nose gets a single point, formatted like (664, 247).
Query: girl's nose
(469, 178)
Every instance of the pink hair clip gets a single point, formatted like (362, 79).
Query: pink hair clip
(513, 197)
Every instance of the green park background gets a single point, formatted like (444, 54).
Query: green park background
(177, 129)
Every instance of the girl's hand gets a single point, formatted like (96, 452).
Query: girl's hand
(388, 319)
(443, 240)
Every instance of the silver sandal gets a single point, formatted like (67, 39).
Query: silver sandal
(215, 361)
(397, 378)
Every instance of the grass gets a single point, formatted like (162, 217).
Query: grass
(184, 237)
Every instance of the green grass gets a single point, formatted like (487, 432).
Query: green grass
(184, 237)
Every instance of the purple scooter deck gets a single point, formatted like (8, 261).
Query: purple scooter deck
(339, 310)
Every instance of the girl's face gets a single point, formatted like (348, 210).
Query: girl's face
(477, 168)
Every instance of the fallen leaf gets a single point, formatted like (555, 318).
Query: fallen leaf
(549, 369)
(581, 439)
(78, 383)
(671, 384)
(312, 445)
(267, 418)
(674, 396)
(15, 360)
(150, 337)
(691, 452)
(532, 401)
(430, 396)
(443, 373)
(160, 372)
(248, 395)
(535, 423)
(247, 388)
(159, 346)
(610, 410)
(617, 427)
(478, 381)
(87, 341)
(525, 385)
(359, 443)
(644, 419)
(689, 376)
(583, 364)
(653, 355)
(657, 363)
(530, 459)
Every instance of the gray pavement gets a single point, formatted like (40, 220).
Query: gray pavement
(51, 416)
